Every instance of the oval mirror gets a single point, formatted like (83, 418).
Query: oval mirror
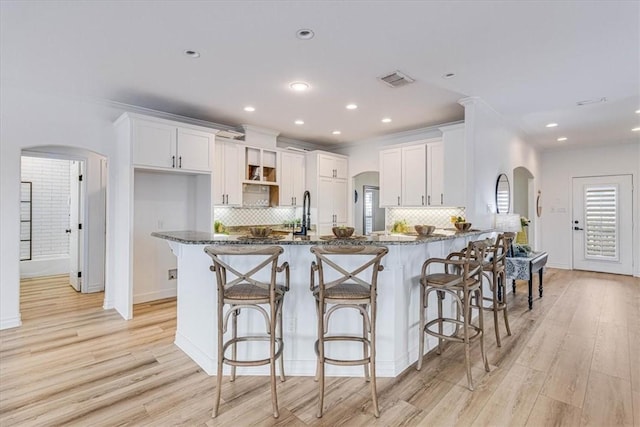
(503, 194)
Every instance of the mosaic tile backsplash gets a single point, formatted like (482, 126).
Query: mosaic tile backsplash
(256, 216)
(440, 217)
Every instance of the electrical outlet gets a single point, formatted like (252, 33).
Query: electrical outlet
(290, 324)
(173, 274)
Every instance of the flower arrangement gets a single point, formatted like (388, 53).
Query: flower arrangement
(524, 221)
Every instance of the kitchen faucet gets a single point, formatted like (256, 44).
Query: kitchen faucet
(306, 212)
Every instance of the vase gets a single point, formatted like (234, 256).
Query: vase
(521, 237)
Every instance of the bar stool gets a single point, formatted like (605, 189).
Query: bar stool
(461, 279)
(347, 291)
(494, 269)
(239, 290)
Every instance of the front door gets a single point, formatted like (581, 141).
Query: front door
(602, 224)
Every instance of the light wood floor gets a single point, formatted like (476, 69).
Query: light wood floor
(573, 360)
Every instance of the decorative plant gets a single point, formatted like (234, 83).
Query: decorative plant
(218, 227)
(400, 227)
(524, 221)
(455, 219)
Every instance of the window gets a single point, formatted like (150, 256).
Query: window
(601, 222)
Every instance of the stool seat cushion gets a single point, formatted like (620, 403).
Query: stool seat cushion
(345, 291)
(441, 279)
(248, 292)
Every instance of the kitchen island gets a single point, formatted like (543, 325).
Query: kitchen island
(398, 305)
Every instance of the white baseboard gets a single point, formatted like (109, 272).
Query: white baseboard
(94, 287)
(12, 322)
(50, 266)
(156, 295)
(558, 266)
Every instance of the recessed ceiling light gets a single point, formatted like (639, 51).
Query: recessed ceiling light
(299, 122)
(448, 75)
(562, 138)
(299, 86)
(552, 125)
(192, 53)
(351, 106)
(637, 111)
(249, 109)
(636, 129)
(305, 34)
(336, 132)
(386, 120)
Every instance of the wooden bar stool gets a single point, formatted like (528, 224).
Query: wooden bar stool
(347, 291)
(239, 290)
(494, 269)
(462, 280)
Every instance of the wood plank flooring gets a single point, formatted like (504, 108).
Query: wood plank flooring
(574, 360)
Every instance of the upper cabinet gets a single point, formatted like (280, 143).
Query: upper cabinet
(261, 165)
(412, 175)
(165, 145)
(455, 165)
(292, 179)
(330, 166)
(227, 173)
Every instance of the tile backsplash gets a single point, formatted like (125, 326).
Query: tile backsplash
(255, 216)
(440, 217)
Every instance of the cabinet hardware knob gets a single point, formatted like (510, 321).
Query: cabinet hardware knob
(398, 200)
(173, 161)
(423, 200)
(441, 198)
(429, 200)
(180, 162)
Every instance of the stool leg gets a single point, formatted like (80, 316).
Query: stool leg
(272, 357)
(320, 374)
(496, 306)
(372, 361)
(234, 356)
(216, 402)
(502, 279)
(280, 310)
(440, 323)
(481, 326)
(316, 377)
(465, 331)
(421, 331)
(365, 345)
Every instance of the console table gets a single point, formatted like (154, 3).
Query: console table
(523, 268)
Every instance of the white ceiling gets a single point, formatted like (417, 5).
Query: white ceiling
(531, 61)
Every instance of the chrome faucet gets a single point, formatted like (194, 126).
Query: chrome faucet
(306, 215)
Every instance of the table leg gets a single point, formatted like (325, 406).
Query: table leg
(530, 292)
(540, 280)
(514, 286)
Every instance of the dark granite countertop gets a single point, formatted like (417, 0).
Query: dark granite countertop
(204, 238)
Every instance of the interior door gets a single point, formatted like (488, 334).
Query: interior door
(75, 236)
(603, 224)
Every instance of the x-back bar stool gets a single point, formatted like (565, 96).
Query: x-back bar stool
(240, 290)
(462, 280)
(346, 291)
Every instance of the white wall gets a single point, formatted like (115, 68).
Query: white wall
(559, 166)
(49, 217)
(29, 120)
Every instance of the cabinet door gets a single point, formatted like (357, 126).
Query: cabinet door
(340, 201)
(435, 169)
(342, 167)
(194, 150)
(390, 177)
(325, 200)
(414, 176)
(297, 179)
(287, 161)
(154, 144)
(326, 166)
(218, 191)
(233, 171)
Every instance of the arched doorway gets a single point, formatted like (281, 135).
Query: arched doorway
(85, 227)
(523, 198)
(367, 214)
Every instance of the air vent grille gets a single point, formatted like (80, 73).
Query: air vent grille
(396, 79)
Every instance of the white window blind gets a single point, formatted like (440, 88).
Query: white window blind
(601, 222)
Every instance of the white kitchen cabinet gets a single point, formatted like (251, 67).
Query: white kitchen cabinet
(227, 173)
(327, 181)
(390, 177)
(331, 166)
(435, 174)
(455, 165)
(292, 179)
(162, 144)
(414, 178)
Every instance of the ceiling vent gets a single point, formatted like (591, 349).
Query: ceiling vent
(230, 134)
(396, 79)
